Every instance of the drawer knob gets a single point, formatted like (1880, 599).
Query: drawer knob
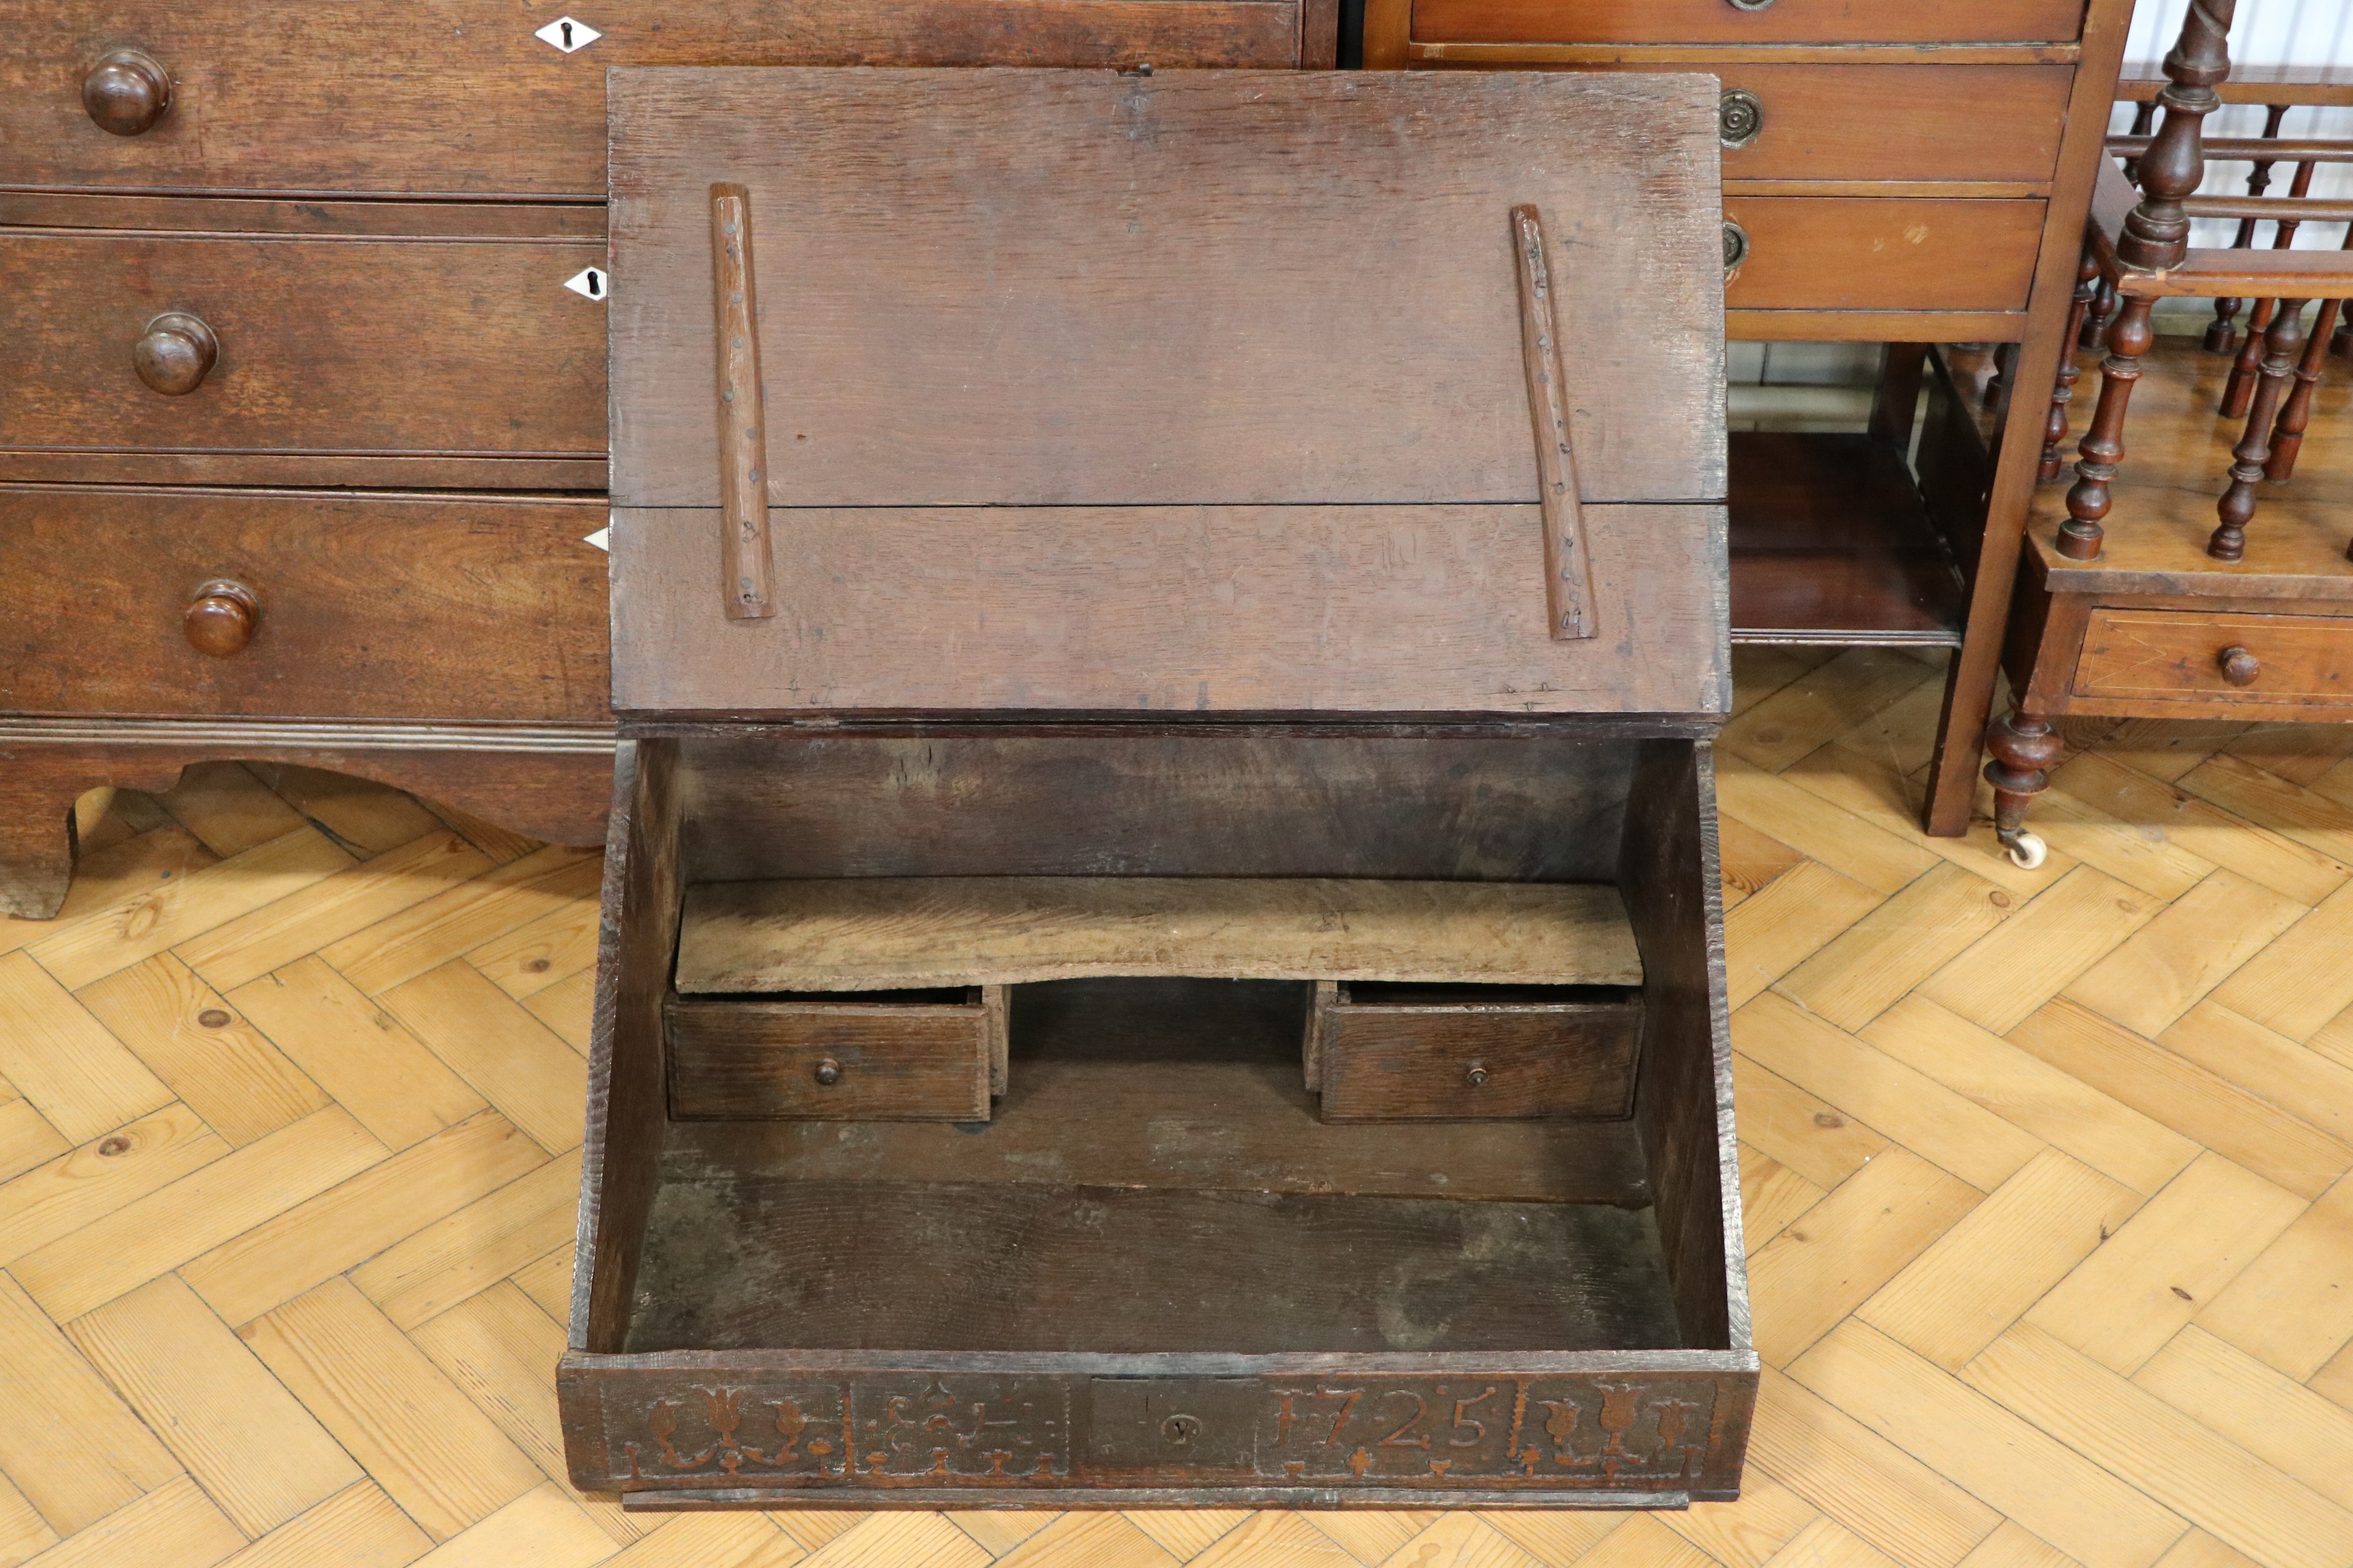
(1740, 117)
(1476, 1075)
(1749, 4)
(175, 354)
(221, 618)
(127, 92)
(1735, 247)
(828, 1073)
(2240, 667)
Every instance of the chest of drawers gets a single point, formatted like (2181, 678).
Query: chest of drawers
(1912, 174)
(303, 429)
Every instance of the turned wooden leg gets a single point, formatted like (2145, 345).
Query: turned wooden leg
(2054, 429)
(2239, 391)
(2101, 316)
(2295, 413)
(2023, 746)
(2103, 447)
(2283, 343)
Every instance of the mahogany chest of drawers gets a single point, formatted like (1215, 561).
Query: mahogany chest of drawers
(302, 428)
(1910, 173)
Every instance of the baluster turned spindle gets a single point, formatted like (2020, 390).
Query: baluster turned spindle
(2222, 336)
(2295, 413)
(2241, 387)
(2054, 429)
(2156, 236)
(2282, 346)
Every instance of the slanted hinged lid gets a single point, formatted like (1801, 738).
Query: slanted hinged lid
(1022, 390)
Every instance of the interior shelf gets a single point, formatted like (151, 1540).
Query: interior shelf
(885, 934)
(1831, 543)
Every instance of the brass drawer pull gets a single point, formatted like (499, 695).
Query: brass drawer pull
(127, 92)
(1740, 117)
(220, 619)
(2239, 667)
(175, 354)
(1735, 247)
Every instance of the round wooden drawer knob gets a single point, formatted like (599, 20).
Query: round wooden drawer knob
(2240, 667)
(221, 618)
(1477, 1076)
(828, 1073)
(175, 354)
(127, 92)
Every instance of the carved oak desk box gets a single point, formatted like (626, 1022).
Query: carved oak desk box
(1162, 941)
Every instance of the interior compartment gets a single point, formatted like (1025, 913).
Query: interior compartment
(1156, 1178)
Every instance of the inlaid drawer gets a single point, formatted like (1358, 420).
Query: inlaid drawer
(271, 604)
(1725, 22)
(885, 1056)
(1879, 253)
(274, 344)
(1911, 122)
(2186, 656)
(1427, 1053)
(465, 97)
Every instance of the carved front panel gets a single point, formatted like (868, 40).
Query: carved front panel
(876, 1431)
(1431, 1431)
(929, 1430)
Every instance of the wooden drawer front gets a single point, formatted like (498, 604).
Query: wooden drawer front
(1869, 253)
(1452, 1053)
(459, 96)
(1720, 22)
(325, 346)
(2165, 653)
(841, 1060)
(1899, 122)
(368, 608)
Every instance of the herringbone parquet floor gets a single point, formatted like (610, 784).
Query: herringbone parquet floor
(2052, 1238)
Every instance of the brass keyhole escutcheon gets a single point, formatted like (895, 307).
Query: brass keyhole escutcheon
(1740, 117)
(828, 1073)
(1477, 1075)
(1181, 1429)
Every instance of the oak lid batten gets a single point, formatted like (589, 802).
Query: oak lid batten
(746, 578)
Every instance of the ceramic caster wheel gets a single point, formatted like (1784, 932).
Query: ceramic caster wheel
(2027, 851)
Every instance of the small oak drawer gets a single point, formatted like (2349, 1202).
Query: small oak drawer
(1879, 253)
(1989, 123)
(487, 97)
(1428, 1053)
(1746, 22)
(876, 1055)
(2160, 653)
(262, 605)
(204, 344)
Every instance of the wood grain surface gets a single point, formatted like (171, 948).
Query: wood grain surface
(1713, 21)
(1866, 253)
(459, 98)
(1409, 1061)
(1173, 609)
(888, 1061)
(2168, 654)
(480, 607)
(1031, 287)
(1958, 122)
(881, 934)
(326, 346)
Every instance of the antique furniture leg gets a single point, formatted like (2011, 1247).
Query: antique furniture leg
(2295, 413)
(2023, 746)
(2237, 508)
(2222, 336)
(2055, 429)
(2103, 447)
